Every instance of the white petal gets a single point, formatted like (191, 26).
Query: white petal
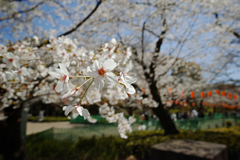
(55, 72)
(65, 87)
(131, 89)
(59, 86)
(9, 65)
(85, 113)
(96, 65)
(130, 80)
(124, 136)
(74, 115)
(67, 109)
(63, 68)
(99, 83)
(91, 120)
(92, 73)
(79, 109)
(109, 65)
(110, 78)
(68, 94)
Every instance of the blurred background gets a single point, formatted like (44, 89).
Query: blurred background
(185, 55)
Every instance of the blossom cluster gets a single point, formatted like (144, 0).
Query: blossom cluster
(124, 124)
(81, 76)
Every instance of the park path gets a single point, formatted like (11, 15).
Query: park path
(35, 127)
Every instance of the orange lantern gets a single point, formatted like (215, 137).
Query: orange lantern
(202, 94)
(217, 91)
(176, 102)
(193, 104)
(235, 96)
(209, 93)
(223, 93)
(192, 94)
(140, 101)
(229, 95)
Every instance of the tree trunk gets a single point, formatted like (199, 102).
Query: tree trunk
(10, 135)
(163, 115)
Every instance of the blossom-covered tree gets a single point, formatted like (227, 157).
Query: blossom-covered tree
(164, 36)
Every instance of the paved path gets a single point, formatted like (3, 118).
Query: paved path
(34, 127)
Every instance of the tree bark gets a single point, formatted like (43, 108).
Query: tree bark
(163, 115)
(10, 135)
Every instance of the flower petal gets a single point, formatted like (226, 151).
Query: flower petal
(110, 78)
(99, 83)
(67, 109)
(63, 68)
(130, 79)
(59, 86)
(95, 65)
(109, 65)
(131, 89)
(65, 87)
(55, 72)
(92, 73)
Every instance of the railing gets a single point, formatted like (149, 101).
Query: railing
(98, 130)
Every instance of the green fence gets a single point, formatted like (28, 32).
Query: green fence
(98, 130)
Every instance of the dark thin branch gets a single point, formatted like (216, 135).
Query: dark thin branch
(143, 29)
(26, 11)
(80, 23)
(77, 26)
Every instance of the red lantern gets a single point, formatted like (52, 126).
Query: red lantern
(193, 104)
(176, 102)
(192, 94)
(202, 94)
(235, 96)
(209, 93)
(229, 95)
(217, 91)
(223, 93)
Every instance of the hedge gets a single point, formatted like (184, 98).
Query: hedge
(137, 145)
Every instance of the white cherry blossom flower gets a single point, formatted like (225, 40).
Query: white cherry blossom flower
(101, 72)
(11, 60)
(63, 76)
(76, 109)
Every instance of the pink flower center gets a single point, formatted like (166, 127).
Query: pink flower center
(63, 78)
(10, 60)
(101, 72)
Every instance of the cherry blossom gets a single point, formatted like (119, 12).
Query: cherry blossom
(11, 60)
(63, 76)
(101, 72)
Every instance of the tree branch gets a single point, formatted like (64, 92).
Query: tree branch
(26, 11)
(80, 23)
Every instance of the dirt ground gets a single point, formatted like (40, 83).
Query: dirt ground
(34, 127)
